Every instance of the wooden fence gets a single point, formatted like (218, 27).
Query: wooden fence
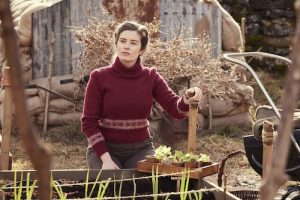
(58, 20)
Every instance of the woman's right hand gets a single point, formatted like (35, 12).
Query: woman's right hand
(107, 162)
(109, 165)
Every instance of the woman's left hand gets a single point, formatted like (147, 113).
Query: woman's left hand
(193, 94)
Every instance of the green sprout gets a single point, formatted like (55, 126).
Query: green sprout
(120, 188)
(134, 187)
(102, 188)
(94, 184)
(29, 188)
(184, 184)
(155, 182)
(60, 192)
(18, 190)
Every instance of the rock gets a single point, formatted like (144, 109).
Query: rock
(255, 40)
(277, 13)
(253, 29)
(277, 27)
(254, 18)
(277, 50)
(258, 5)
(281, 42)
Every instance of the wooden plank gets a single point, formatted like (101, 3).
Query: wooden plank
(6, 128)
(66, 14)
(189, 12)
(73, 174)
(192, 137)
(53, 19)
(81, 12)
(196, 173)
(219, 193)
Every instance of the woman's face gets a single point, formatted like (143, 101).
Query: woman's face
(129, 47)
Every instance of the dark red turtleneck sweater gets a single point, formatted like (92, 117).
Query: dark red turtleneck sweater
(118, 101)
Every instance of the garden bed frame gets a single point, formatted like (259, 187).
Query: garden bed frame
(81, 174)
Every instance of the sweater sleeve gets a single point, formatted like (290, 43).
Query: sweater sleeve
(91, 114)
(167, 98)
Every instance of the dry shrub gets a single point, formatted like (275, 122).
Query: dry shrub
(181, 57)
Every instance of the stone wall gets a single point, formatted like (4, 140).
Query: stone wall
(270, 25)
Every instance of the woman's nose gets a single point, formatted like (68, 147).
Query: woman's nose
(126, 46)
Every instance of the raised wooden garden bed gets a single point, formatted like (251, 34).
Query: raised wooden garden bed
(73, 183)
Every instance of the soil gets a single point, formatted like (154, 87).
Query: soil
(76, 189)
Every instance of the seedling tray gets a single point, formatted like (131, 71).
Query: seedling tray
(195, 173)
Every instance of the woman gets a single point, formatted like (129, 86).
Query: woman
(118, 101)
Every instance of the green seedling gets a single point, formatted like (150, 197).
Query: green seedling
(94, 184)
(102, 189)
(120, 188)
(134, 188)
(155, 182)
(29, 188)
(184, 184)
(60, 192)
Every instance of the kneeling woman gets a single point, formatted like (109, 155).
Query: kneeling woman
(118, 101)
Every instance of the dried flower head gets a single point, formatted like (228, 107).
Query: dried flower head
(176, 60)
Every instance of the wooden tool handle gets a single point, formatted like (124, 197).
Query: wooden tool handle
(192, 137)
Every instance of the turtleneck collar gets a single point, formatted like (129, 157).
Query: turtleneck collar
(124, 71)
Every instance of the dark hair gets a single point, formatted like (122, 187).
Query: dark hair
(133, 26)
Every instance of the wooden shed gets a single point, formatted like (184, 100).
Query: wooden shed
(62, 16)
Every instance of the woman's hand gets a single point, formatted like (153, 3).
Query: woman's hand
(108, 163)
(193, 94)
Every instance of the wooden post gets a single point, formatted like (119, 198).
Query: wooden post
(267, 139)
(243, 26)
(7, 118)
(50, 64)
(193, 111)
(210, 117)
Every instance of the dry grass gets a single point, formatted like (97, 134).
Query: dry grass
(66, 144)
(68, 147)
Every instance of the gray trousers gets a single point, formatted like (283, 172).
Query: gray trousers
(125, 155)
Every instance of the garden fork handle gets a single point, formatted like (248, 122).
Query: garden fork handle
(192, 137)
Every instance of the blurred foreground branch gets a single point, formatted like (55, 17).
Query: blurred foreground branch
(277, 176)
(39, 157)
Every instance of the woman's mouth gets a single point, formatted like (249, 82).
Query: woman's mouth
(125, 53)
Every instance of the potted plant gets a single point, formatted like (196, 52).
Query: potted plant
(178, 158)
(163, 152)
(168, 160)
(190, 160)
(204, 160)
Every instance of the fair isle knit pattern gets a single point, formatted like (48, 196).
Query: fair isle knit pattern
(94, 139)
(124, 124)
(118, 101)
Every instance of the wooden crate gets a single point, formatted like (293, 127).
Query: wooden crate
(196, 173)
